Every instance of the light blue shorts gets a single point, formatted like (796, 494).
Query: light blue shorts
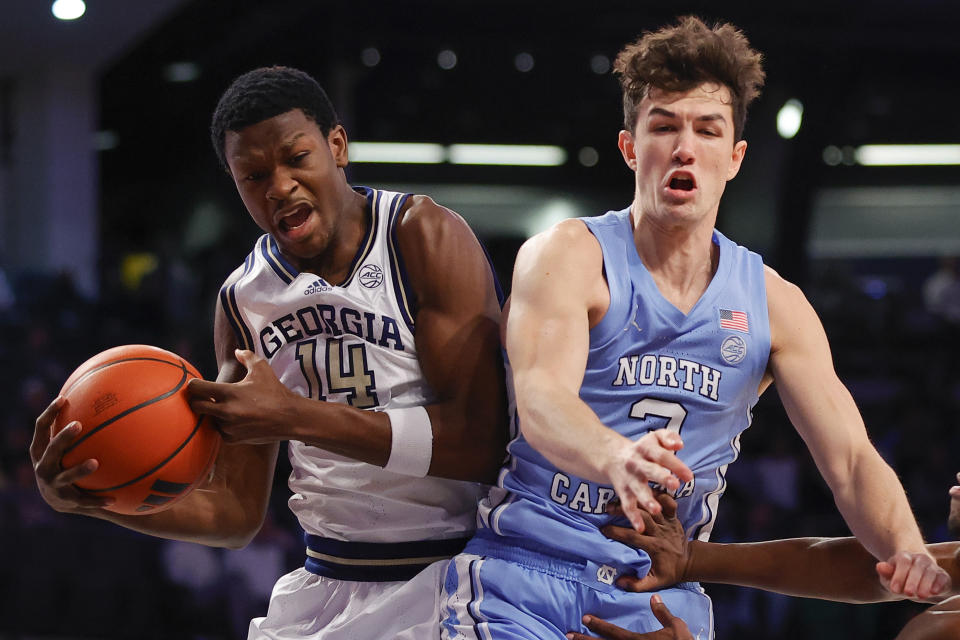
(533, 596)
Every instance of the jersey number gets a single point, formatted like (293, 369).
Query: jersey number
(674, 412)
(346, 372)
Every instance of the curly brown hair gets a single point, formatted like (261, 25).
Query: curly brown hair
(684, 56)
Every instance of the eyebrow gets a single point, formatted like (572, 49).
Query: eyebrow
(292, 141)
(709, 117)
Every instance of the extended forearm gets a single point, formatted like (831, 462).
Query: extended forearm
(467, 445)
(565, 430)
(225, 511)
(827, 568)
(201, 518)
(872, 501)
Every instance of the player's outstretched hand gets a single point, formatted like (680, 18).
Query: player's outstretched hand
(914, 575)
(953, 522)
(650, 458)
(56, 483)
(673, 628)
(251, 410)
(663, 539)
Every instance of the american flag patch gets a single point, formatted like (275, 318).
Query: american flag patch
(736, 320)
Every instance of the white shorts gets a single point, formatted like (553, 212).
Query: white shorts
(305, 605)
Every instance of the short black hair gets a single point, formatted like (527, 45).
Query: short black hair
(266, 92)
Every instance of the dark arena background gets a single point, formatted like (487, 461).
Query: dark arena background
(117, 226)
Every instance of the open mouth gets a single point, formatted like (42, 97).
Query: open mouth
(295, 218)
(682, 183)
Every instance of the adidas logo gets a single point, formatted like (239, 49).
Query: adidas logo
(319, 286)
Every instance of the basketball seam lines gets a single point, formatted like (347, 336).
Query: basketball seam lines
(122, 414)
(160, 465)
(178, 365)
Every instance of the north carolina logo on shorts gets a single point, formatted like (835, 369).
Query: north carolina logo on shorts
(371, 276)
(733, 350)
(606, 574)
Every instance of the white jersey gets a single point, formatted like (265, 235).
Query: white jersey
(351, 343)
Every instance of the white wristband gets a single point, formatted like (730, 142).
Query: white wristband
(411, 441)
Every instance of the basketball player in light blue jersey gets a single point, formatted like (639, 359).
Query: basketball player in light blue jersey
(363, 329)
(638, 343)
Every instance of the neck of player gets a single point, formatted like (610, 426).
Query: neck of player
(681, 258)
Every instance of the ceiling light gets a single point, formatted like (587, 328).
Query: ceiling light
(397, 152)
(508, 154)
(588, 156)
(890, 155)
(523, 62)
(370, 57)
(106, 140)
(832, 155)
(523, 155)
(68, 9)
(600, 64)
(789, 118)
(181, 72)
(446, 59)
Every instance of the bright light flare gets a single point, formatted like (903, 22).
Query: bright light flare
(898, 155)
(789, 118)
(397, 152)
(508, 154)
(68, 9)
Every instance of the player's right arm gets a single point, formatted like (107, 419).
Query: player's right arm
(558, 294)
(826, 568)
(226, 511)
(839, 569)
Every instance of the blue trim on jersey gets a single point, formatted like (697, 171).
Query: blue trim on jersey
(228, 301)
(703, 529)
(366, 245)
(270, 251)
(376, 561)
(476, 597)
(402, 288)
(501, 298)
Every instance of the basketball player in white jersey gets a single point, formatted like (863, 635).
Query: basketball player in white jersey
(639, 341)
(363, 329)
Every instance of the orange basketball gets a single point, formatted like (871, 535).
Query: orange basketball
(131, 402)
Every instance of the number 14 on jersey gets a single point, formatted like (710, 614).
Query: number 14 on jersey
(344, 370)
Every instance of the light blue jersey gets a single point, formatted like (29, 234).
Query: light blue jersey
(649, 366)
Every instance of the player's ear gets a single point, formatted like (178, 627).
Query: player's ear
(339, 146)
(627, 150)
(739, 150)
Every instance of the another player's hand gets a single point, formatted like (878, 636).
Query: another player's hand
(953, 521)
(663, 539)
(914, 575)
(251, 410)
(650, 458)
(56, 483)
(673, 628)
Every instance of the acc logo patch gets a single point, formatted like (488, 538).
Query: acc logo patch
(370, 276)
(733, 350)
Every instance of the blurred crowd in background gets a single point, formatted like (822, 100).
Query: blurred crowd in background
(895, 330)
